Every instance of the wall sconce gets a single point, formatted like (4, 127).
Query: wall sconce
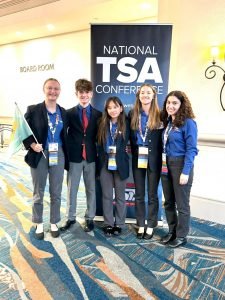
(210, 72)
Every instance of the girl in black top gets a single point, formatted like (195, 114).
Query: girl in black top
(113, 136)
(146, 148)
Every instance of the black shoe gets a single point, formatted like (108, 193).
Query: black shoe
(67, 225)
(89, 226)
(148, 236)
(117, 230)
(177, 242)
(55, 233)
(167, 238)
(39, 236)
(140, 235)
(108, 230)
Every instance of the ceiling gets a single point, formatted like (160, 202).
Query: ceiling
(22, 20)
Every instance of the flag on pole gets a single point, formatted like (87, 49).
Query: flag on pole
(20, 131)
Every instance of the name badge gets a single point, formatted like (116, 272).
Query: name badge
(142, 157)
(53, 154)
(112, 158)
(53, 147)
(164, 170)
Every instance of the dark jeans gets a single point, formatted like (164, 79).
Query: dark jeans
(177, 197)
(152, 189)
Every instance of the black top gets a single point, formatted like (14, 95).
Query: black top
(154, 139)
(122, 158)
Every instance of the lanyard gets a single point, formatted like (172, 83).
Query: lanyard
(166, 135)
(143, 137)
(113, 134)
(51, 126)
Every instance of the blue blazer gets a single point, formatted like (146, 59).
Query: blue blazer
(122, 158)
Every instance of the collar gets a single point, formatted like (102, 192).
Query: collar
(87, 107)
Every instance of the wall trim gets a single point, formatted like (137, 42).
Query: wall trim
(216, 140)
(208, 209)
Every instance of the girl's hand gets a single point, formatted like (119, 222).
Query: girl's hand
(184, 179)
(36, 147)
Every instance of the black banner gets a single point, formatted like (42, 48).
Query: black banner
(123, 57)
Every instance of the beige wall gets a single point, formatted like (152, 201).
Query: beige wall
(70, 54)
(197, 25)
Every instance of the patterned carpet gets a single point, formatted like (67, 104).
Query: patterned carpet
(90, 266)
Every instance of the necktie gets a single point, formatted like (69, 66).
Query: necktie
(85, 124)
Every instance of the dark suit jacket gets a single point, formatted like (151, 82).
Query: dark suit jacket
(122, 158)
(76, 135)
(36, 117)
(154, 138)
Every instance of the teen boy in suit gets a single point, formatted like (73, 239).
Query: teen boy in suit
(82, 132)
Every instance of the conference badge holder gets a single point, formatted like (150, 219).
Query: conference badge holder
(164, 170)
(142, 157)
(53, 154)
(112, 158)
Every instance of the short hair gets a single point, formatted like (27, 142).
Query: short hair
(83, 85)
(50, 79)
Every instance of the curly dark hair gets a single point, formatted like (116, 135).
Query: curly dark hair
(185, 111)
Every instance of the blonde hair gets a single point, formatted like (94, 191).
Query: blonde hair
(154, 111)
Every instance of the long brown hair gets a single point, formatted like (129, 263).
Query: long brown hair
(185, 111)
(154, 112)
(105, 120)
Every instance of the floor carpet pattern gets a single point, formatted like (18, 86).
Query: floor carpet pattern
(80, 265)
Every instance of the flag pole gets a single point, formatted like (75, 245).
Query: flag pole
(29, 127)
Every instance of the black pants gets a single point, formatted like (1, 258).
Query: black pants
(177, 197)
(153, 201)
